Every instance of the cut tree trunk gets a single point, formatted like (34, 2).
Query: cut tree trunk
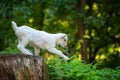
(22, 67)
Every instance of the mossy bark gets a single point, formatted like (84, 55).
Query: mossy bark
(22, 67)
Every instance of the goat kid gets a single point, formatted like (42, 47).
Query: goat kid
(39, 39)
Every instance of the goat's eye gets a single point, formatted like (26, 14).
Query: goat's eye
(64, 39)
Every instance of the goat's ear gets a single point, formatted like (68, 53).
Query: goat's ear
(63, 36)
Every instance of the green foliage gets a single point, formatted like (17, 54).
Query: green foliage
(76, 70)
(11, 50)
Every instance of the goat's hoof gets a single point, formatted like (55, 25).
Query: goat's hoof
(68, 60)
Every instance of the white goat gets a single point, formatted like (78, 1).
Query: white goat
(39, 39)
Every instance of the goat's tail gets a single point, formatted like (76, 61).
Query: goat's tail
(14, 26)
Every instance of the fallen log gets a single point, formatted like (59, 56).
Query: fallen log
(22, 67)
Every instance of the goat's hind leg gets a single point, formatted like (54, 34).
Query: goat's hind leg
(37, 51)
(21, 47)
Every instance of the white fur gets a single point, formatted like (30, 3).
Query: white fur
(39, 39)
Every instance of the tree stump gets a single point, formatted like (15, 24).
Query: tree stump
(22, 67)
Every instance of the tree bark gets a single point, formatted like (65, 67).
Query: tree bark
(22, 67)
(80, 7)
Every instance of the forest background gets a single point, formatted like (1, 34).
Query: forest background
(92, 26)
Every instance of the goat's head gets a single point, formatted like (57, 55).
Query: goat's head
(63, 41)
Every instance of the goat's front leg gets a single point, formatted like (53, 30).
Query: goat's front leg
(58, 52)
(37, 51)
(21, 47)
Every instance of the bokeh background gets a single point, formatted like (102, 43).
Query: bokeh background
(93, 26)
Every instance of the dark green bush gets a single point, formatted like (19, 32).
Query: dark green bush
(76, 70)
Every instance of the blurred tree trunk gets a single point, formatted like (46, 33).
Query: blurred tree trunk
(39, 14)
(80, 7)
(22, 67)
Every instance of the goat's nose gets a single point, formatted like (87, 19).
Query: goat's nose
(65, 46)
